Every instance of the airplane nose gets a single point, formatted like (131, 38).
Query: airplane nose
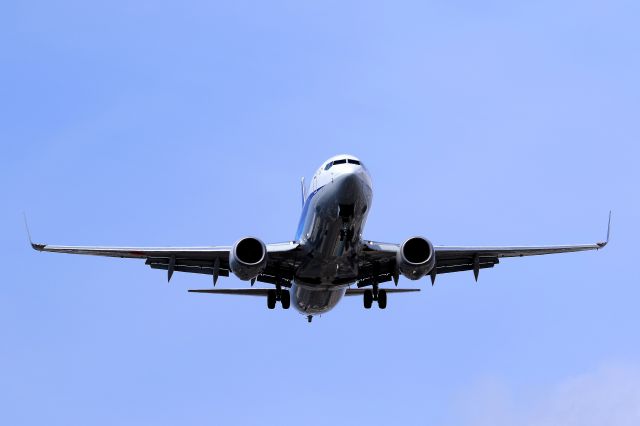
(349, 179)
(349, 185)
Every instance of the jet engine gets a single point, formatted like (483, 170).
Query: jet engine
(416, 258)
(248, 258)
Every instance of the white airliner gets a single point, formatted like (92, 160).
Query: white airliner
(328, 255)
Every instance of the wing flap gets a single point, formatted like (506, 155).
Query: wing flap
(191, 269)
(460, 268)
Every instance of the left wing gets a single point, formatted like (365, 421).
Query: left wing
(378, 263)
(200, 260)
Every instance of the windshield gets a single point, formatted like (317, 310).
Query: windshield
(342, 161)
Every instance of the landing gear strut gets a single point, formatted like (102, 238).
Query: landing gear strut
(379, 296)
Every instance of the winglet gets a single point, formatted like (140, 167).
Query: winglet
(35, 246)
(604, 243)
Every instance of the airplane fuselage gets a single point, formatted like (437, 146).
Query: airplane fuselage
(330, 232)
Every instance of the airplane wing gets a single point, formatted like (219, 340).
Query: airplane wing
(200, 260)
(379, 258)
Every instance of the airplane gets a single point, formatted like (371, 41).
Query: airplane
(328, 259)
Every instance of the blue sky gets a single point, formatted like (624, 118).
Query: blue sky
(191, 123)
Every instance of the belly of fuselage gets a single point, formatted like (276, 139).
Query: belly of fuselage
(331, 239)
(312, 301)
(331, 233)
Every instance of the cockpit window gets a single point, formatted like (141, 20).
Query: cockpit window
(342, 161)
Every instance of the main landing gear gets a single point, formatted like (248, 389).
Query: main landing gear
(282, 295)
(379, 296)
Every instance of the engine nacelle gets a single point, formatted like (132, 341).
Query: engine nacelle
(248, 258)
(416, 258)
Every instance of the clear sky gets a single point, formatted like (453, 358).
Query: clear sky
(191, 123)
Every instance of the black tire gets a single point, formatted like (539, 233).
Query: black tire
(368, 299)
(382, 299)
(271, 299)
(285, 299)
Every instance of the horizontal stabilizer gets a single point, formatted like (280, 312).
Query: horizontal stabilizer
(360, 291)
(264, 291)
(235, 291)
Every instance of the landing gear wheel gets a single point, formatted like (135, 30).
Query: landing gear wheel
(285, 299)
(271, 299)
(368, 299)
(382, 299)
